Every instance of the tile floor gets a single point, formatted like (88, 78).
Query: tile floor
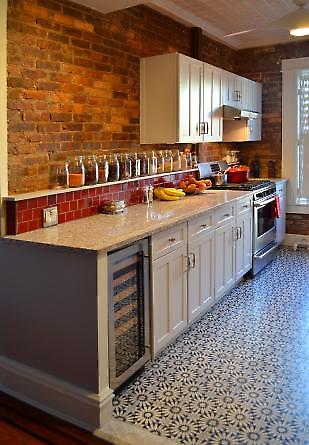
(240, 375)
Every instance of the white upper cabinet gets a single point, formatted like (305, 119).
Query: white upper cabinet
(240, 92)
(171, 99)
(182, 98)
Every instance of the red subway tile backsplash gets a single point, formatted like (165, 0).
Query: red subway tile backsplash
(26, 215)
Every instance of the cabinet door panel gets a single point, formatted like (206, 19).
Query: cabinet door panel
(169, 297)
(196, 71)
(224, 259)
(201, 277)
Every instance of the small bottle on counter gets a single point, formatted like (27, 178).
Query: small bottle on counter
(59, 176)
(184, 162)
(255, 168)
(135, 165)
(76, 172)
(176, 161)
(144, 164)
(91, 170)
(113, 170)
(160, 162)
(103, 169)
(125, 170)
(153, 164)
(168, 161)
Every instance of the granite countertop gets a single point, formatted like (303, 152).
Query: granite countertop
(109, 232)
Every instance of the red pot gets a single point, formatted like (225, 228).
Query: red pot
(238, 174)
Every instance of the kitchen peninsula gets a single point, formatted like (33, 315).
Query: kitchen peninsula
(54, 348)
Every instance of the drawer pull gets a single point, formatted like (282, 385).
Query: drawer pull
(245, 206)
(226, 215)
(204, 226)
(172, 240)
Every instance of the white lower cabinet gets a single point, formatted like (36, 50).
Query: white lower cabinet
(201, 275)
(169, 297)
(224, 259)
(194, 264)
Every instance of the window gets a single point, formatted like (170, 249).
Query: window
(295, 132)
(302, 194)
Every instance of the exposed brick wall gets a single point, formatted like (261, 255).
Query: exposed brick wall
(73, 80)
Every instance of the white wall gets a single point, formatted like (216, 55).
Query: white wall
(3, 107)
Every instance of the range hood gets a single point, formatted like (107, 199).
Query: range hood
(231, 113)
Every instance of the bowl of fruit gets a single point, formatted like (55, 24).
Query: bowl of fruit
(192, 186)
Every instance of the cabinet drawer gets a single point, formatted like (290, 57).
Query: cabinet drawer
(169, 240)
(224, 214)
(244, 204)
(200, 225)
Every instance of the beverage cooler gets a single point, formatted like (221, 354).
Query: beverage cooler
(128, 293)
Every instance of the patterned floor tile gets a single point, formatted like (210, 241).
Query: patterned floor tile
(240, 375)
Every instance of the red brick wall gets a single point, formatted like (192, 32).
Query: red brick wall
(73, 81)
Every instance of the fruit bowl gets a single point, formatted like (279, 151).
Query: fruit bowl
(192, 186)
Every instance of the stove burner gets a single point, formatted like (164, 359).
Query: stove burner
(250, 185)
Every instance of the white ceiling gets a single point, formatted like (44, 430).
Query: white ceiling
(220, 17)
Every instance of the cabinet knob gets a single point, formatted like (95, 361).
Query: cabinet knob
(204, 226)
(172, 240)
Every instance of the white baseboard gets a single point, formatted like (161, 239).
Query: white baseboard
(290, 239)
(68, 402)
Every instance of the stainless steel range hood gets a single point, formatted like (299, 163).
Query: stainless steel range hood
(231, 113)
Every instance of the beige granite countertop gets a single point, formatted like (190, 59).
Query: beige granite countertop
(109, 232)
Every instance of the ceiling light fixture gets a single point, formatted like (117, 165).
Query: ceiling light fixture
(299, 32)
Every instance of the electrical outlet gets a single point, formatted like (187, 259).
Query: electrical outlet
(50, 216)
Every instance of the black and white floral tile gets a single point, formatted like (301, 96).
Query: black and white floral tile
(240, 375)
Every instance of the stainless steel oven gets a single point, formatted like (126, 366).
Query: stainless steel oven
(264, 227)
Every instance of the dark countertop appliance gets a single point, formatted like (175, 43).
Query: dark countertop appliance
(264, 244)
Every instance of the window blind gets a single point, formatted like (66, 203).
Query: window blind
(303, 138)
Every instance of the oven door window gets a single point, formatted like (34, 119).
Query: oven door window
(265, 218)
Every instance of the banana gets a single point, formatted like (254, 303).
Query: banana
(174, 192)
(159, 193)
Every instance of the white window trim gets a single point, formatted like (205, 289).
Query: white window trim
(3, 110)
(290, 68)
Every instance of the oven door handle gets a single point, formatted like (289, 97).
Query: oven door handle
(264, 203)
(274, 247)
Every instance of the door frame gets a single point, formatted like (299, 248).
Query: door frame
(3, 112)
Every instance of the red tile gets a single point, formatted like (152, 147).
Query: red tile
(85, 213)
(91, 192)
(27, 215)
(32, 203)
(81, 203)
(37, 214)
(69, 196)
(69, 216)
(64, 207)
(73, 205)
(60, 198)
(22, 227)
(115, 188)
(77, 194)
(42, 202)
(33, 225)
(85, 193)
(61, 218)
(20, 216)
(77, 214)
(22, 205)
(51, 200)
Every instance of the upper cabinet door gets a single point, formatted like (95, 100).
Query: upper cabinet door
(211, 120)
